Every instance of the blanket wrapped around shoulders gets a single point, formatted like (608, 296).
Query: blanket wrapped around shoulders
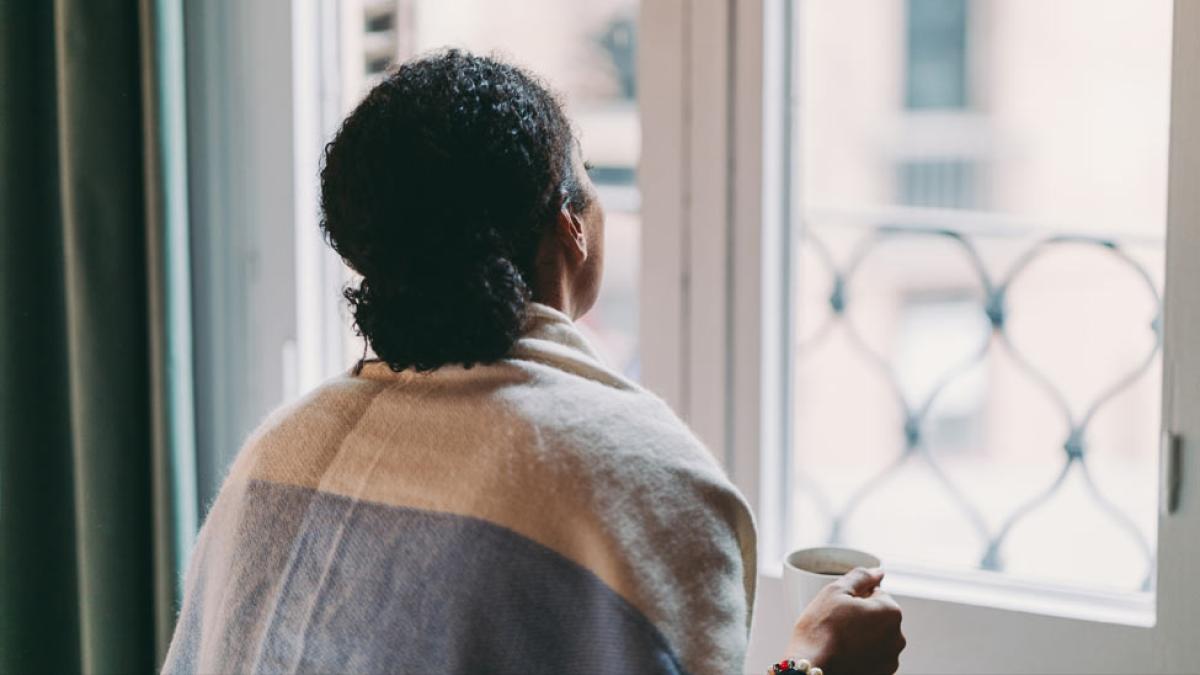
(540, 514)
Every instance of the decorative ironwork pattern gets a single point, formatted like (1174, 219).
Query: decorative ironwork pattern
(915, 412)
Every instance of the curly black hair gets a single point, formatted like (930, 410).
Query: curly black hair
(437, 189)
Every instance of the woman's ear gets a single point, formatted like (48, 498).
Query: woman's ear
(571, 233)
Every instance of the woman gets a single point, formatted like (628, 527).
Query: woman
(485, 495)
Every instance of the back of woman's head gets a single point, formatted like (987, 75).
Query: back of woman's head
(437, 190)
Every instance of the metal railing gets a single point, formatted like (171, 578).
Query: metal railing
(1079, 417)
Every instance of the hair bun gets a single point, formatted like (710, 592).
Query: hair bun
(466, 314)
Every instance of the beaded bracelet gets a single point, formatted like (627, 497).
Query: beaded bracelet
(794, 667)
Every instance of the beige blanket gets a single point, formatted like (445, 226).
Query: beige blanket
(540, 514)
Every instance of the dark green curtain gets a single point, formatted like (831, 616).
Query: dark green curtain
(95, 505)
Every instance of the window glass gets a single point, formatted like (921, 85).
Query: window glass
(981, 196)
(936, 75)
(586, 53)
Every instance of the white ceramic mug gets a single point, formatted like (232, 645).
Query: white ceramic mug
(808, 570)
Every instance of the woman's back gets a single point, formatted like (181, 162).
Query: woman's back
(538, 514)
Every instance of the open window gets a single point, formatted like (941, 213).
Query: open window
(922, 307)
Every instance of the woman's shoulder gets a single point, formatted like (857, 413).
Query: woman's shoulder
(610, 417)
(293, 438)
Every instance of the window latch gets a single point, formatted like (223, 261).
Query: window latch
(1172, 467)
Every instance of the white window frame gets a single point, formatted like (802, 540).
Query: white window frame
(713, 335)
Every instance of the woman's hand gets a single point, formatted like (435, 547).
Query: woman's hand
(850, 627)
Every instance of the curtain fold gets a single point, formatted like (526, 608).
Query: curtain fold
(94, 364)
(176, 518)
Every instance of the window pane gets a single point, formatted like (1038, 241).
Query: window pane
(978, 315)
(586, 52)
(936, 75)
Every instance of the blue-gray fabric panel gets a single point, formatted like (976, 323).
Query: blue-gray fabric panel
(337, 585)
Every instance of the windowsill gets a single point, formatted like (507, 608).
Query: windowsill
(996, 591)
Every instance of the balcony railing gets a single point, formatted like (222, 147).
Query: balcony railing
(964, 234)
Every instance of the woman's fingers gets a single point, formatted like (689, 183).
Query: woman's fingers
(860, 581)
